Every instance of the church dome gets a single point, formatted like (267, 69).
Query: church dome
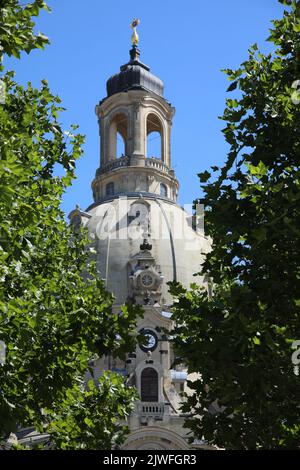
(173, 251)
(134, 76)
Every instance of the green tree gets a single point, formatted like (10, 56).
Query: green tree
(239, 340)
(86, 422)
(55, 314)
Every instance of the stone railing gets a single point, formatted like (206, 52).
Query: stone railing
(157, 164)
(119, 162)
(150, 162)
(154, 409)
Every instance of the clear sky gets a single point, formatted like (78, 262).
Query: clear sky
(185, 42)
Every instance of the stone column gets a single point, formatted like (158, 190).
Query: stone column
(168, 140)
(101, 121)
(103, 139)
(112, 141)
(137, 157)
(168, 143)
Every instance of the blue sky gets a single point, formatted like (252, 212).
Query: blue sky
(186, 43)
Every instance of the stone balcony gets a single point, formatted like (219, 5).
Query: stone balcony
(118, 163)
(156, 163)
(155, 410)
(151, 162)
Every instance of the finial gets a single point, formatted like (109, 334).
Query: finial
(134, 36)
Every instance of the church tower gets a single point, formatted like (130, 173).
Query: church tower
(142, 240)
(133, 109)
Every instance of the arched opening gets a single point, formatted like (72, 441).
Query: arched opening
(149, 385)
(163, 190)
(152, 437)
(120, 152)
(118, 131)
(110, 189)
(154, 145)
(154, 137)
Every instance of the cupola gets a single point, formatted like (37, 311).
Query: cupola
(134, 111)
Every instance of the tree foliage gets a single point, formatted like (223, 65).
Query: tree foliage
(55, 314)
(94, 417)
(17, 27)
(240, 339)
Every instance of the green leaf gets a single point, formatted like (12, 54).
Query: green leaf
(232, 86)
(88, 422)
(204, 177)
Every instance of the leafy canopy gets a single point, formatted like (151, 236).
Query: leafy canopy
(240, 339)
(55, 314)
(16, 27)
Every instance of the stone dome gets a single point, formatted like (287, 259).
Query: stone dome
(172, 251)
(133, 76)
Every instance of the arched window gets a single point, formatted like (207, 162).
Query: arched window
(110, 189)
(118, 136)
(154, 137)
(163, 190)
(149, 385)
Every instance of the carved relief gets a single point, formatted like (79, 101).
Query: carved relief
(145, 276)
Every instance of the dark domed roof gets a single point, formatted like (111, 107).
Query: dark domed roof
(134, 76)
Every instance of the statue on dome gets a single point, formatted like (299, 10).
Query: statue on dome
(134, 36)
